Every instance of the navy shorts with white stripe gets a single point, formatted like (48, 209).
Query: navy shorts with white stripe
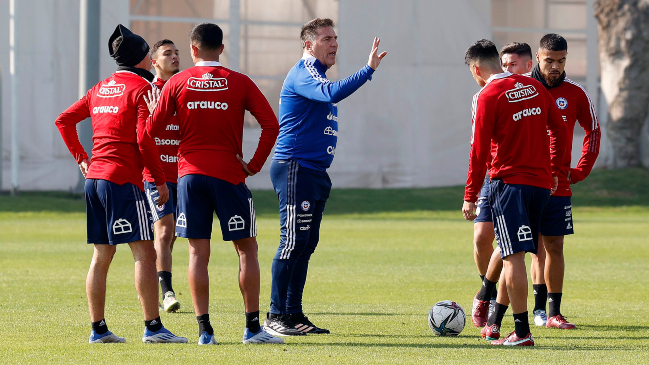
(157, 212)
(516, 211)
(200, 196)
(116, 213)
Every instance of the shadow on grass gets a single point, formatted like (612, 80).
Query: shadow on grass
(363, 314)
(603, 188)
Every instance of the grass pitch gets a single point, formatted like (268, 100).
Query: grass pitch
(385, 257)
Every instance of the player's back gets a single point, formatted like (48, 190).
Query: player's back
(167, 143)
(522, 153)
(113, 108)
(210, 105)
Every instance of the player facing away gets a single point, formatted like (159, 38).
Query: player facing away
(517, 59)
(574, 106)
(166, 62)
(305, 149)
(513, 113)
(210, 101)
(115, 201)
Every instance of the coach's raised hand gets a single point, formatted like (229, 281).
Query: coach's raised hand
(375, 58)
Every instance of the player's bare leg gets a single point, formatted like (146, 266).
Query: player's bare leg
(538, 265)
(249, 286)
(199, 281)
(248, 272)
(516, 281)
(491, 330)
(483, 237)
(515, 278)
(554, 274)
(555, 265)
(495, 266)
(146, 282)
(164, 241)
(199, 285)
(482, 302)
(96, 280)
(538, 283)
(96, 292)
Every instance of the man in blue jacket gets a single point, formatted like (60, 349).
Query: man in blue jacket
(305, 149)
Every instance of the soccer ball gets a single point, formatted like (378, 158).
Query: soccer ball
(446, 318)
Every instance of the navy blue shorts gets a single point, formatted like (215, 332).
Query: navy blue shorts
(517, 213)
(200, 196)
(157, 212)
(557, 217)
(116, 213)
(483, 210)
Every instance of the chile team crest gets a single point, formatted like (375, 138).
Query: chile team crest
(306, 205)
(562, 103)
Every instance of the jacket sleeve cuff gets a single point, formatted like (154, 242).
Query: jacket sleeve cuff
(368, 72)
(576, 176)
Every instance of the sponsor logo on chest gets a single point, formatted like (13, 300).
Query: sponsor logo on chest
(207, 82)
(111, 90)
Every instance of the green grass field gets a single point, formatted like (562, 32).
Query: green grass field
(385, 257)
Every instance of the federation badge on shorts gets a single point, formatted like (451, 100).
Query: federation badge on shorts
(306, 205)
(562, 103)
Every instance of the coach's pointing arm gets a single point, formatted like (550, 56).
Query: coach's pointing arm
(320, 89)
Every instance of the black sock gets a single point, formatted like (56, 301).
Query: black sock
(497, 316)
(494, 293)
(554, 302)
(521, 325)
(486, 290)
(164, 277)
(481, 278)
(153, 325)
(100, 327)
(204, 324)
(540, 296)
(252, 322)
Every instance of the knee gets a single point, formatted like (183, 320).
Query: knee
(483, 238)
(554, 246)
(144, 252)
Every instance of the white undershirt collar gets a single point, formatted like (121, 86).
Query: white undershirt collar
(209, 63)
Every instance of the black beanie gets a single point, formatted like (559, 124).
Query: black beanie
(131, 51)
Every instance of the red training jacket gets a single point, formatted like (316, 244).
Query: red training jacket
(120, 145)
(167, 142)
(514, 113)
(210, 102)
(575, 106)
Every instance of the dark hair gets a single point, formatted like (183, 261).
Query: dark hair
(157, 45)
(116, 43)
(310, 29)
(481, 51)
(206, 36)
(553, 42)
(521, 49)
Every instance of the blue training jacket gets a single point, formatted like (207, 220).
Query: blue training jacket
(308, 115)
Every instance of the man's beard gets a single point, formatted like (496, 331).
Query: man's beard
(552, 81)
